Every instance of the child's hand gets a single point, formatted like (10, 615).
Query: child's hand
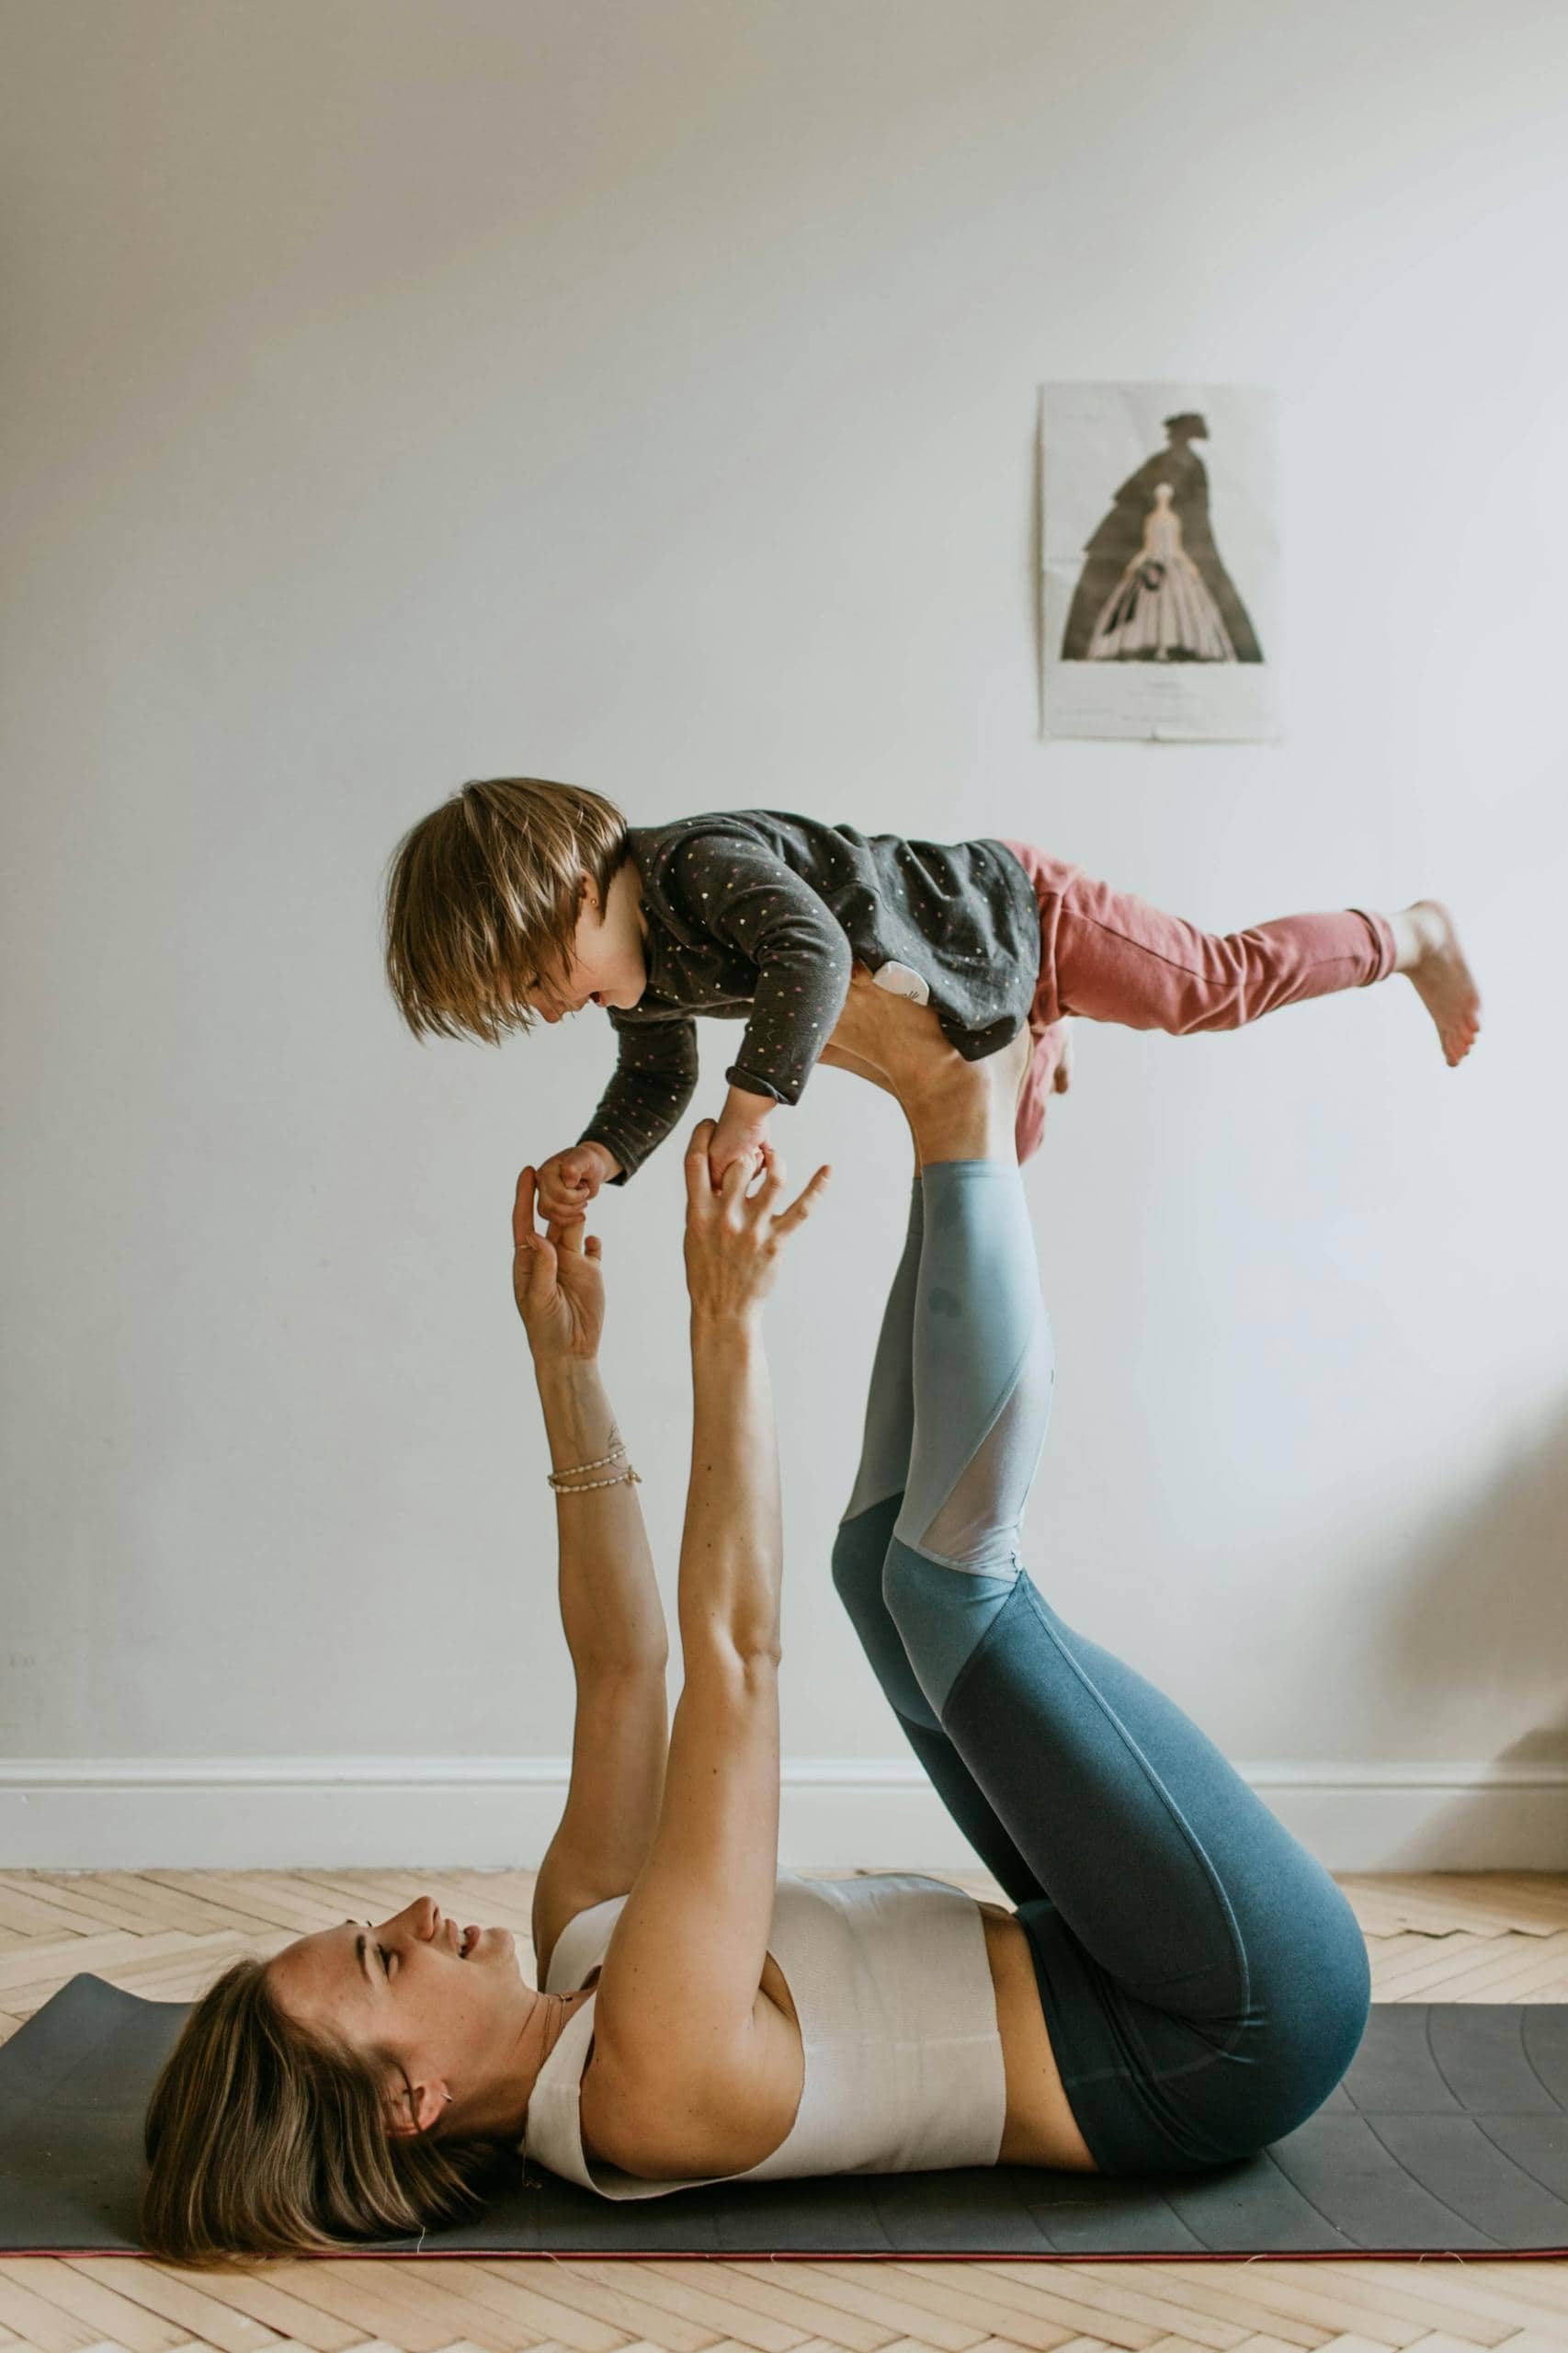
(568, 1181)
(741, 1135)
(555, 1282)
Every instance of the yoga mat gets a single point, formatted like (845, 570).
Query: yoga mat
(1449, 2135)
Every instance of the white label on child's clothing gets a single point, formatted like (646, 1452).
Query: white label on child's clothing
(899, 980)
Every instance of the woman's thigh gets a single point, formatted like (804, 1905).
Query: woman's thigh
(1204, 1981)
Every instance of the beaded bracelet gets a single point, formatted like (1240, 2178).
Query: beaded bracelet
(627, 1478)
(597, 1463)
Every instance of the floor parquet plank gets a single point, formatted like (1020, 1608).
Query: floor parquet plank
(530, 2287)
(29, 1911)
(54, 1959)
(1263, 2343)
(1054, 2304)
(1344, 2302)
(1175, 2345)
(420, 2304)
(848, 2331)
(266, 2296)
(201, 1912)
(373, 1892)
(974, 2288)
(210, 1955)
(1544, 1980)
(95, 1907)
(41, 2324)
(248, 1908)
(364, 2304)
(176, 2297)
(703, 2301)
(1218, 2291)
(480, 2304)
(1439, 2342)
(599, 2299)
(1516, 1962)
(1431, 1902)
(1399, 2288)
(100, 2307)
(1418, 1978)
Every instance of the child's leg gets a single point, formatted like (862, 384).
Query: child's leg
(860, 1549)
(1115, 958)
(1204, 1981)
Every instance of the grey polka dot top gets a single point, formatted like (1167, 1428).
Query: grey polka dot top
(757, 915)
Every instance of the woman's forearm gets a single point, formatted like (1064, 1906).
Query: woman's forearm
(610, 1601)
(732, 1549)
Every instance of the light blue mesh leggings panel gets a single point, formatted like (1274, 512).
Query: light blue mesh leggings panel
(1203, 1980)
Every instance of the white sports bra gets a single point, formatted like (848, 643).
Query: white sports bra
(892, 1989)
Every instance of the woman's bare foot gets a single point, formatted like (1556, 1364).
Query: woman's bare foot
(1428, 954)
(958, 1110)
(839, 1058)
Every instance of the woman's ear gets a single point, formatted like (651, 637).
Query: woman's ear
(418, 2108)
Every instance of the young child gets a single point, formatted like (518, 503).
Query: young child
(520, 899)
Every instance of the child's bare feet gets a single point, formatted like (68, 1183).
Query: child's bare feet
(1431, 959)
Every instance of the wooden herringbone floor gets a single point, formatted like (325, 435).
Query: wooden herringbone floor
(1496, 1937)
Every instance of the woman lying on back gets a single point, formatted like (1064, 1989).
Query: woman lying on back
(1178, 1984)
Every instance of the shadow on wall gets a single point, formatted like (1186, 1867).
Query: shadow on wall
(1482, 1621)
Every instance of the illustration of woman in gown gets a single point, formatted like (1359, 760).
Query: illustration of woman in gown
(1160, 609)
(1115, 545)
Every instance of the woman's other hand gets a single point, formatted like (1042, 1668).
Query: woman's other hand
(733, 1237)
(556, 1281)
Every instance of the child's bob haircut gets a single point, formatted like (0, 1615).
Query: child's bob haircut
(484, 897)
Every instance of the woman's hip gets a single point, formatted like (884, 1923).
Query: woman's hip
(1156, 2088)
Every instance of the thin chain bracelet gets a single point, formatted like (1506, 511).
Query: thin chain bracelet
(627, 1478)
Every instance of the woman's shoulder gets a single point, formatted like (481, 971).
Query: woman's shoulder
(580, 1947)
(665, 2110)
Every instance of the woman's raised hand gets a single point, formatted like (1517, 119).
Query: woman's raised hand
(733, 1236)
(556, 1281)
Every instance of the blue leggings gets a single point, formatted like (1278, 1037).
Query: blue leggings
(1203, 1981)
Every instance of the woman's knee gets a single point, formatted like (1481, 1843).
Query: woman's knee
(1316, 1995)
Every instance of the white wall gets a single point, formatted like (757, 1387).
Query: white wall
(400, 390)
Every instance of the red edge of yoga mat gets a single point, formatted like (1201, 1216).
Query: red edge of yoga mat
(830, 2254)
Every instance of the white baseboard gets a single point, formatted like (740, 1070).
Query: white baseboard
(251, 1812)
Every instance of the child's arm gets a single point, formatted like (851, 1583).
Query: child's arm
(653, 1082)
(742, 1132)
(749, 900)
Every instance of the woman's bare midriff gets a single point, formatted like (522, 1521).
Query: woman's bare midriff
(1040, 2128)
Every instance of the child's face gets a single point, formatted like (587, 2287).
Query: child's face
(607, 965)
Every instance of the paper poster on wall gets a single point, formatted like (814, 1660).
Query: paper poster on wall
(1160, 559)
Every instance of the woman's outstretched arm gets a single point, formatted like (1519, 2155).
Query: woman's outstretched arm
(690, 2057)
(610, 1609)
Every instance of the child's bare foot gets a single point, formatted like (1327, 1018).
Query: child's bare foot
(1429, 955)
(1061, 1076)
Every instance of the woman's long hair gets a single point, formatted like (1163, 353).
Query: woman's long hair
(265, 2139)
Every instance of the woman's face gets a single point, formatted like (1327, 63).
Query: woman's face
(401, 1985)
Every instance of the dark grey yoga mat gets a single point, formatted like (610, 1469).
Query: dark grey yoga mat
(1449, 2135)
